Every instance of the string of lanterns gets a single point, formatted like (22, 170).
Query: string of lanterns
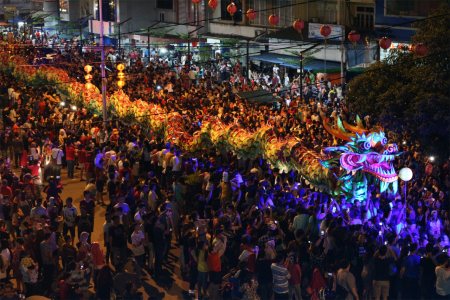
(325, 30)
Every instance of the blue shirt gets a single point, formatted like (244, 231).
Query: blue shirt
(411, 265)
(280, 278)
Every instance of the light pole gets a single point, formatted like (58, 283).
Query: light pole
(301, 69)
(119, 25)
(248, 53)
(105, 117)
(189, 46)
(81, 37)
(148, 40)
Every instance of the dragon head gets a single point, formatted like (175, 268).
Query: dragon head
(366, 151)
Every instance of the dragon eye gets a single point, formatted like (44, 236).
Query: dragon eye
(366, 145)
(384, 141)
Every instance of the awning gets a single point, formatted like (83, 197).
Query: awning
(278, 59)
(259, 97)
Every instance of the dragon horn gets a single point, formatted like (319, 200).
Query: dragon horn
(340, 133)
(356, 129)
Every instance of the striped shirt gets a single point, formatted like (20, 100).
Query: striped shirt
(280, 278)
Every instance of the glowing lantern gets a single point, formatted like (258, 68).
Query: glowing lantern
(392, 47)
(87, 68)
(401, 47)
(405, 174)
(231, 9)
(325, 31)
(410, 48)
(213, 4)
(274, 19)
(120, 84)
(299, 25)
(120, 67)
(195, 1)
(385, 43)
(353, 37)
(420, 49)
(251, 14)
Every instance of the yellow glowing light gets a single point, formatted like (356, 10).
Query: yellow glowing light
(120, 83)
(120, 67)
(121, 75)
(87, 68)
(88, 77)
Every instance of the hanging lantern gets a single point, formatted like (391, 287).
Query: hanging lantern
(325, 31)
(420, 50)
(299, 25)
(195, 2)
(213, 4)
(353, 37)
(120, 84)
(120, 67)
(87, 69)
(385, 43)
(410, 48)
(251, 14)
(401, 47)
(392, 47)
(231, 9)
(274, 19)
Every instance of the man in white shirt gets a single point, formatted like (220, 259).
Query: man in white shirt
(140, 213)
(176, 164)
(69, 213)
(125, 207)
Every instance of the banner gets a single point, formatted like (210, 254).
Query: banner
(337, 32)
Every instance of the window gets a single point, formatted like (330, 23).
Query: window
(286, 13)
(108, 10)
(224, 15)
(364, 16)
(164, 4)
(326, 12)
(419, 8)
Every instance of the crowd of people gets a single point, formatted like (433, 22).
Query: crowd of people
(243, 230)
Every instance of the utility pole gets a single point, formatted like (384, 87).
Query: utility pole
(189, 46)
(148, 40)
(105, 117)
(248, 51)
(119, 25)
(301, 68)
(81, 37)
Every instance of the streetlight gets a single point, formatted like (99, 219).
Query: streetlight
(406, 175)
(121, 76)
(119, 25)
(248, 57)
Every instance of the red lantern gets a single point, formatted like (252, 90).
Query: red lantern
(251, 14)
(385, 43)
(195, 1)
(325, 31)
(410, 48)
(401, 47)
(353, 37)
(194, 44)
(420, 49)
(231, 9)
(274, 19)
(213, 4)
(299, 25)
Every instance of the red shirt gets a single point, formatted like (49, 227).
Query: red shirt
(296, 274)
(6, 191)
(63, 290)
(82, 156)
(214, 262)
(41, 108)
(70, 153)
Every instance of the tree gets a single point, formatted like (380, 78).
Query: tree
(235, 49)
(410, 94)
(307, 57)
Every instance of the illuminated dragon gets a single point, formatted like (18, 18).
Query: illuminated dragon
(366, 159)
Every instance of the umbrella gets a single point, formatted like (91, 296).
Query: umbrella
(4, 24)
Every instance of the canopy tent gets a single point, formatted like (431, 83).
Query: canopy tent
(20, 19)
(259, 97)
(277, 59)
(4, 24)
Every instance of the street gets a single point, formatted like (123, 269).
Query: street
(170, 286)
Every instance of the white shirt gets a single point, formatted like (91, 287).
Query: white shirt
(125, 207)
(135, 239)
(176, 163)
(69, 215)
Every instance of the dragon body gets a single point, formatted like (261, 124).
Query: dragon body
(366, 158)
